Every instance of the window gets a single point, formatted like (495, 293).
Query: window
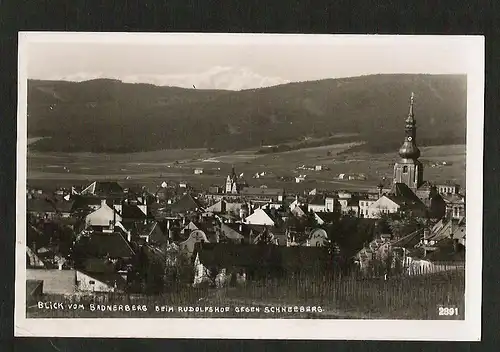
(91, 282)
(405, 169)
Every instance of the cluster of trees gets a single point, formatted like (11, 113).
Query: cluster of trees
(52, 234)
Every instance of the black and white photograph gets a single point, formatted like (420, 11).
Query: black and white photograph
(249, 186)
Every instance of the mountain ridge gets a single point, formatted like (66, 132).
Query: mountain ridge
(106, 115)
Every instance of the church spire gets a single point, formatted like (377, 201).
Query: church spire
(409, 149)
(410, 113)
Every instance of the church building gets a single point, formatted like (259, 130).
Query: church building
(232, 185)
(409, 171)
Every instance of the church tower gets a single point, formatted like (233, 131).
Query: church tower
(408, 169)
(232, 182)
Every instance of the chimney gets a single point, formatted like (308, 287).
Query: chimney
(380, 189)
(426, 235)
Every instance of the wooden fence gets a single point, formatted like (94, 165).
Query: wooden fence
(353, 296)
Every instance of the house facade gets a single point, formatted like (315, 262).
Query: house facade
(364, 206)
(260, 217)
(103, 217)
(384, 205)
(108, 282)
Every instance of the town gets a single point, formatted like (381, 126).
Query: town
(107, 238)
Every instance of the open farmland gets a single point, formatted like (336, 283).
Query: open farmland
(150, 168)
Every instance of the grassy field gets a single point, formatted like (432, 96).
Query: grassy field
(347, 298)
(151, 168)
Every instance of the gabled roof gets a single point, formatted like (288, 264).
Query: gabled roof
(113, 244)
(299, 211)
(218, 207)
(317, 200)
(408, 241)
(157, 234)
(402, 195)
(130, 211)
(232, 231)
(139, 228)
(40, 205)
(425, 186)
(186, 203)
(327, 217)
(111, 279)
(402, 191)
(453, 198)
(270, 213)
(103, 188)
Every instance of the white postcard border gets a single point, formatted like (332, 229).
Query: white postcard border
(446, 330)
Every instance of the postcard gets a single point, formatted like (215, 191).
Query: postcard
(263, 186)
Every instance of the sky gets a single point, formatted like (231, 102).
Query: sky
(237, 61)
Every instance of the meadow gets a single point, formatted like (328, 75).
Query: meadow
(151, 168)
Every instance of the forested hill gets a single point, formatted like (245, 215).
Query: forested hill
(110, 116)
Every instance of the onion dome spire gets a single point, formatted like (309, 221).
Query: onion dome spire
(409, 149)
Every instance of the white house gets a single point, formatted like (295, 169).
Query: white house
(103, 217)
(109, 282)
(448, 188)
(260, 217)
(299, 179)
(384, 205)
(316, 207)
(329, 204)
(364, 205)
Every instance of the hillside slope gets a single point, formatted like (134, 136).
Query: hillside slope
(111, 116)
